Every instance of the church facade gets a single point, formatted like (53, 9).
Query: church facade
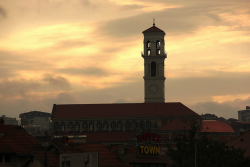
(127, 124)
(151, 115)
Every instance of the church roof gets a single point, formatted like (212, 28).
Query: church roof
(215, 126)
(121, 110)
(153, 29)
(175, 124)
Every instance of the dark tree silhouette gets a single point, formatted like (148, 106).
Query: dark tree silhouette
(209, 153)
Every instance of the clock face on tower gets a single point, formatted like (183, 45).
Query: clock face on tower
(153, 88)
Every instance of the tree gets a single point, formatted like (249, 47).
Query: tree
(209, 153)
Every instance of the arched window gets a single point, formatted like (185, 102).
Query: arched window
(119, 126)
(133, 126)
(85, 126)
(56, 127)
(91, 126)
(158, 46)
(153, 69)
(113, 126)
(148, 125)
(142, 125)
(148, 48)
(105, 126)
(70, 127)
(99, 126)
(62, 127)
(148, 44)
(127, 126)
(77, 127)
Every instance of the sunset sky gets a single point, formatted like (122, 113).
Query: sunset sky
(88, 51)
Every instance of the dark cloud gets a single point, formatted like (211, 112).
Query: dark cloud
(62, 98)
(14, 108)
(3, 12)
(85, 71)
(21, 87)
(193, 88)
(174, 21)
(228, 109)
(12, 62)
(56, 81)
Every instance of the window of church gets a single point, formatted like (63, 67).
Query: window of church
(127, 126)
(113, 126)
(91, 126)
(119, 126)
(77, 129)
(148, 52)
(142, 125)
(158, 44)
(153, 69)
(148, 125)
(56, 127)
(70, 127)
(85, 126)
(62, 127)
(99, 126)
(105, 126)
(148, 44)
(133, 126)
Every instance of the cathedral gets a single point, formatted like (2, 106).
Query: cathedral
(129, 124)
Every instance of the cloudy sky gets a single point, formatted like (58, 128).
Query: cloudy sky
(88, 51)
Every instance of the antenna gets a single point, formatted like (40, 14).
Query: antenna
(153, 21)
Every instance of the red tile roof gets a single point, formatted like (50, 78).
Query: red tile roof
(53, 159)
(93, 137)
(106, 157)
(19, 141)
(175, 124)
(121, 110)
(215, 126)
(241, 141)
(153, 29)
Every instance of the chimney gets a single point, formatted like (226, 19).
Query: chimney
(241, 131)
(1, 127)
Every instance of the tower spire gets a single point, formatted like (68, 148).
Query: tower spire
(153, 21)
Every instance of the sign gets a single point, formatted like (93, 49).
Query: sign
(150, 149)
(149, 136)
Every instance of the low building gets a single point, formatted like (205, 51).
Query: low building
(238, 126)
(16, 145)
(70, 151)
(35, 118)
(217, 130)
(9, 121)
(242, 142)
(244, 115)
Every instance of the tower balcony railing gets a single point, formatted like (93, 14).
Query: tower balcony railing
(142, 53)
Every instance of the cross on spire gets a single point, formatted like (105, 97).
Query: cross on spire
(153, 22)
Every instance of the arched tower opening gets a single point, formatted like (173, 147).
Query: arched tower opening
(153, 69)
(158, 47)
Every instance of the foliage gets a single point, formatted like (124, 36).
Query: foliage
(209, 153)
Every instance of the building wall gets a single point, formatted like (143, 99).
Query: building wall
(9, 121)
(244, 115)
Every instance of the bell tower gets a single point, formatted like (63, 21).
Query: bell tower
(154, 56)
